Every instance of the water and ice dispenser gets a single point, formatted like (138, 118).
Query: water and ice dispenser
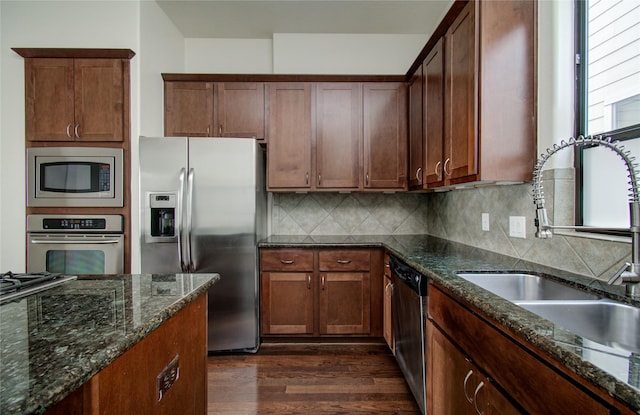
(162, 216)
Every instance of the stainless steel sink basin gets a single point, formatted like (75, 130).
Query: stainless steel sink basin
(525, 287)
(605, 322)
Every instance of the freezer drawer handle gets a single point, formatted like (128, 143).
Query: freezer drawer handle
(287, 261)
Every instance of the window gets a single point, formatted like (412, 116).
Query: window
(608, 103)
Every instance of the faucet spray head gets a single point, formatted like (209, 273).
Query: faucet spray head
(543, 230)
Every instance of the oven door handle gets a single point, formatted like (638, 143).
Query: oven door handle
(36, 240)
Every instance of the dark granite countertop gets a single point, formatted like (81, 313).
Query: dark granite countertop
(54, 341)
(612, 370)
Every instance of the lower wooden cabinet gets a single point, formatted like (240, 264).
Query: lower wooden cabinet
(469, 359)
(320, 292)
(457, 385)
(387, 324)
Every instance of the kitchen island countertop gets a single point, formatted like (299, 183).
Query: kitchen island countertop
(54, 341)
(610, 370)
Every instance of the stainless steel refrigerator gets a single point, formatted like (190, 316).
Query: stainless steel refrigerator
(203, 209)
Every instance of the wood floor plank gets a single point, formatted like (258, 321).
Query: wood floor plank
(292, 378)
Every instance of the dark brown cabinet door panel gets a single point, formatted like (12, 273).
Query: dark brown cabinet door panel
(290, 133)
(286, 303)
(240, 110)
(345, 304)
(416, 136)
(460, 98)
(385, 136)
(49, 99)
(434, 115)
(188, 109)
(338, 135)
(99, 99)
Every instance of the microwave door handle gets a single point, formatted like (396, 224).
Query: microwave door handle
(190, 178)
(181, 180)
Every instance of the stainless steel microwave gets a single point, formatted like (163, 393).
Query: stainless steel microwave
(75, 176)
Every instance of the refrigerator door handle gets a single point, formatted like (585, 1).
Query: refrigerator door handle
(191, 265)
(181, 179)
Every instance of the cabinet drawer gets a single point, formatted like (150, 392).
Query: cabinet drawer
(344, 260)
(286, 260)
(527, 379)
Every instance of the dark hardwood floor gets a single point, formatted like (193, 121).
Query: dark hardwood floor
(291, 378)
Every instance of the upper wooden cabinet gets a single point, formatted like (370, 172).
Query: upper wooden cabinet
(76, 99)
(214, 109)
(338, 152)
(289, 136)
(385, 136)
(416, 138)
(479, 106)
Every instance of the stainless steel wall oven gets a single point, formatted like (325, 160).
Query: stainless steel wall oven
(75, 244)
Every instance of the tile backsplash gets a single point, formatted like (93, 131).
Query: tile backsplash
(456, 215)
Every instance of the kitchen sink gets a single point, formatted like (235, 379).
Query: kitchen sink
(605, 322)
(525, 287)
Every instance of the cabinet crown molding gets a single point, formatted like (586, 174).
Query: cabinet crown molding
(74, 53)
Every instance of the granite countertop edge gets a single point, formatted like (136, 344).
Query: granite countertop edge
(522, 324)
(89, 366)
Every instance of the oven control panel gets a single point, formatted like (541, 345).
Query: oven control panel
(83, 223)
(75, 223)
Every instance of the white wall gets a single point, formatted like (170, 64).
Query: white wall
(252, 56)
(302, 53)
(64, 24)
(555, 79)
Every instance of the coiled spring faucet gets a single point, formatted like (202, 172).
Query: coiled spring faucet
(629, 274)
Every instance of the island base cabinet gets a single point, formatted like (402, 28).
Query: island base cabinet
(129, 385)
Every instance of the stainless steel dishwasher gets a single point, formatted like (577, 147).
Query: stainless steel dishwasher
(409, 309)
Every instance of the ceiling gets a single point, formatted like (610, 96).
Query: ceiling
(261, 19)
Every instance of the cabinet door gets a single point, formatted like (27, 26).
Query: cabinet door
(345, 303)
(240, 109)
(460, 98)
(457, 385)
(286, 303)
(188, 109)
(338, 136)
(49, 99)
(99, 99)
(434, 115)
(416, 137)
(388, 316)
(289, 126)
(385, 136)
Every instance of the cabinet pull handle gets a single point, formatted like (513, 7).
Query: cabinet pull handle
(439, 173)
(286, 261)
(419, 175)
(69, 130)
(447, 173)
(366, 179)
(319, 179)
(308, 281)
(344, 261)
(475, 398)
(323, 281)
(464, 386)
(307, 178)
(220, 129)
(75, 131)
(208, 130)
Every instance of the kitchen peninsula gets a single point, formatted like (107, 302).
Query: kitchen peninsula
(107, 344)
